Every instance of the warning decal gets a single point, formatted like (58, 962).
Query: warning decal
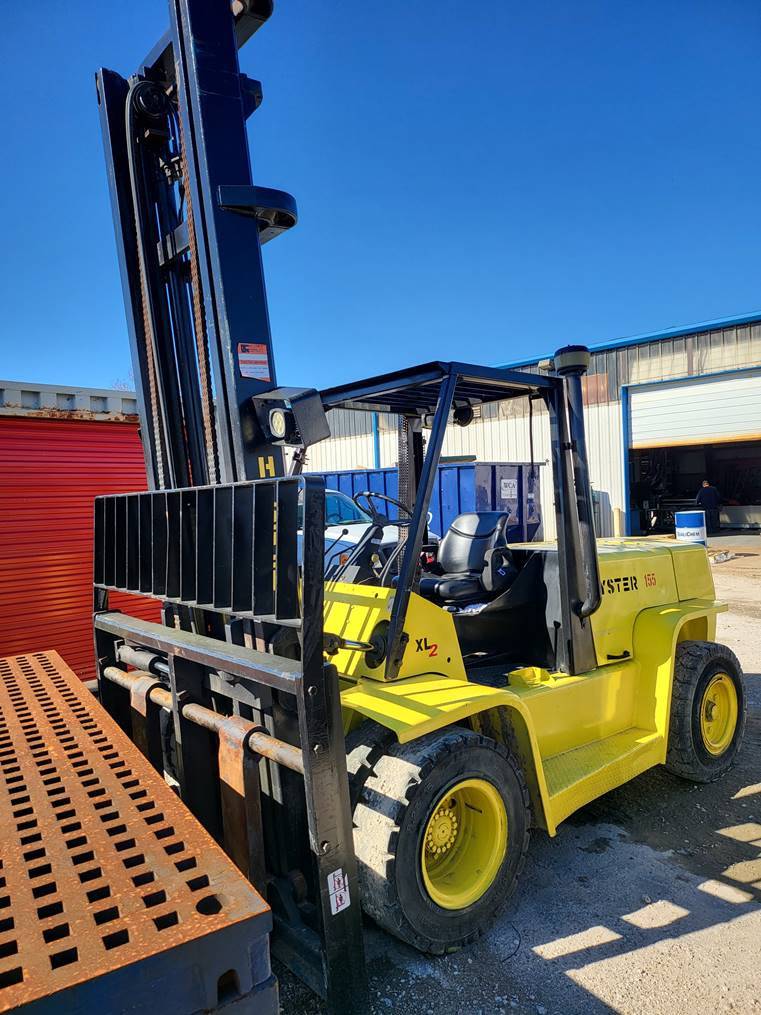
(338, 887)
(253, 361)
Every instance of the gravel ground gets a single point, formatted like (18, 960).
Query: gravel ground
(647, 901)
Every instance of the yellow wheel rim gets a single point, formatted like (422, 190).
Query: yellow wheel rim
(464, 843)
(718, 714)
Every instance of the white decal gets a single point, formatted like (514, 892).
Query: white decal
(508, 489)
(338, 887)
(698, 535)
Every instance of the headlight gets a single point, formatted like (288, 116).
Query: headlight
(278, 424)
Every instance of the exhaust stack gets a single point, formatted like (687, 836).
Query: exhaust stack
(571, 363)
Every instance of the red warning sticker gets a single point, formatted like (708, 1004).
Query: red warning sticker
(253, 361)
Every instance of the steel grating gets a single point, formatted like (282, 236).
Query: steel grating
(109, 888)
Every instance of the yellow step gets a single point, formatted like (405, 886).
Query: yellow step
(575, 777)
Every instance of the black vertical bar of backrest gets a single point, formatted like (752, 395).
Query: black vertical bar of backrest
(133, 542)
(196, 751)
(312, 493)
(146, 543)
(173, 544)
(243, 548)
(205, 547)
(286, 558)
(98, 548)
(223, 546)
(188, 535)
(264, 548)
(109, 555)
(120, 542)
(158, 538)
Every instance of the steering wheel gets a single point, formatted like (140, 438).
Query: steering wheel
(371, 495)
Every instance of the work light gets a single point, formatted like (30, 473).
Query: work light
(279, 423)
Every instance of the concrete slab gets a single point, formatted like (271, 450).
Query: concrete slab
(736, 540)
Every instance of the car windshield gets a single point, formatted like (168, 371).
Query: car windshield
(339, 510)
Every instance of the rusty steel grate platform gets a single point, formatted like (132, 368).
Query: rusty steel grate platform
(109, 887)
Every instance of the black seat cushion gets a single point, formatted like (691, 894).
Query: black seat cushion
(451, 587)
(462, 557)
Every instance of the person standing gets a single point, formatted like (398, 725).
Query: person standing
(709, 499)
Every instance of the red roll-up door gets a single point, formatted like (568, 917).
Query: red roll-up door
(50, 472)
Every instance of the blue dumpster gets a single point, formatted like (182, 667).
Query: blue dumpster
(460, 487)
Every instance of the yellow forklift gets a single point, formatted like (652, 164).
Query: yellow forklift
(488, 688)
(374, 729)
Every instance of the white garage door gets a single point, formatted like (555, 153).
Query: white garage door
(696, 411)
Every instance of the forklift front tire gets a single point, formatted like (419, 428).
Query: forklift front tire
(707, 711)
(441, 830)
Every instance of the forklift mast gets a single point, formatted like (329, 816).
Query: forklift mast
(189, 226)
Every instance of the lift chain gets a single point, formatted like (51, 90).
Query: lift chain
(156, 427)
(199, 319)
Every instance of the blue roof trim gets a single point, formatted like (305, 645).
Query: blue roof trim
(655, 336)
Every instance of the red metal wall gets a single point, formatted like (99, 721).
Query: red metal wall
(50, 471)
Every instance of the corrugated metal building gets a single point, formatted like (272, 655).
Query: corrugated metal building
(663, 411)
(59, 448)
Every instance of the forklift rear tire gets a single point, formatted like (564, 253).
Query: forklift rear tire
(707, 711)
(441, 830)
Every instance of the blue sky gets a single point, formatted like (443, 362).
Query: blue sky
(481, 187)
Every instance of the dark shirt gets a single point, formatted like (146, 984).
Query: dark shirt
(708, 498)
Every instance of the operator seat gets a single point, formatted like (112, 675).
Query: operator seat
(468, 570)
